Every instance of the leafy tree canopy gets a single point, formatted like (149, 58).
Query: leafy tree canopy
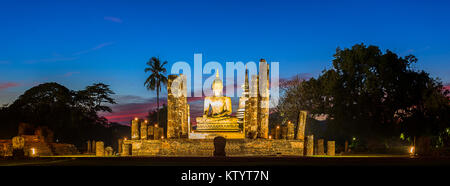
(72, 115)
(371, 95)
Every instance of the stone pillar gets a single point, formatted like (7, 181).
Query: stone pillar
(290, 131)
(184, 108)
(125, 149)
(284, 132)
(186, 120)
(171, 107)
(346, 146)
(119, 145)
(272, 133)
(99, 148)
(157, 135)
(330, 148)
(277, 132)
(144, 130)
(93, 146)
(301, 125)
(177, 107)
(150, 132)
(263, 81)
(88, 149)
(135, 129)
(310, 145)
(320, 149)
(252, 109)
(161, 133)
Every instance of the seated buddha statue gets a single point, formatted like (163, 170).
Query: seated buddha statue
(217, 111)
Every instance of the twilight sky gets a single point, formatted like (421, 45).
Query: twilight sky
(77, 43)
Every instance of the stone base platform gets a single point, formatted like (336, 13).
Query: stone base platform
(212, 135)
(205, 148)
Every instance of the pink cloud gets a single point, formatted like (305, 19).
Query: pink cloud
(8, 85)
(68, 74)
(93, 49)
(113, 19)
(125, 112)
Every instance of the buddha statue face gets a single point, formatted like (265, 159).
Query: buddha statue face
(217, 86)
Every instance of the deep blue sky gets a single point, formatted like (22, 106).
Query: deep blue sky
(77, 43)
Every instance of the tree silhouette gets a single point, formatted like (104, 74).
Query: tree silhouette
(71, 115)
(156, 78)
(371, 95)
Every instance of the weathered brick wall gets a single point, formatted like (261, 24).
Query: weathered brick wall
(41, 147)
(63, 149)
(6, 148)
(186, 147)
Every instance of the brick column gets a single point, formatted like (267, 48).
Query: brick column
(144, 130)
(135, 129)
(99, 148)
(320, 149)
(330, 148)
(310, 145)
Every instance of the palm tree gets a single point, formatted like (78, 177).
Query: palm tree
(156, 78)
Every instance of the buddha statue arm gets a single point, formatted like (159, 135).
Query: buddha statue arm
(206, 107)
(228, 107)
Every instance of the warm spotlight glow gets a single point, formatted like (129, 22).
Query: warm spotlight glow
(136, 118)
(33, 151)
(125, 138)
(162, 137)
(411, 150)
(278, 127)
(270, 136)
(146, 121)
(156, 125)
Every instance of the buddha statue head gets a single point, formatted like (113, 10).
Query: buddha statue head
(217, 85)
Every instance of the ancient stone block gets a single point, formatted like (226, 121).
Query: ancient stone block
(135, 129)
(320, 149)
(310, 145)
(99, 148)
(330, 148)
(219, 146)
(125, 149)
(18, 142)
(109, 151)
(301, 125)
